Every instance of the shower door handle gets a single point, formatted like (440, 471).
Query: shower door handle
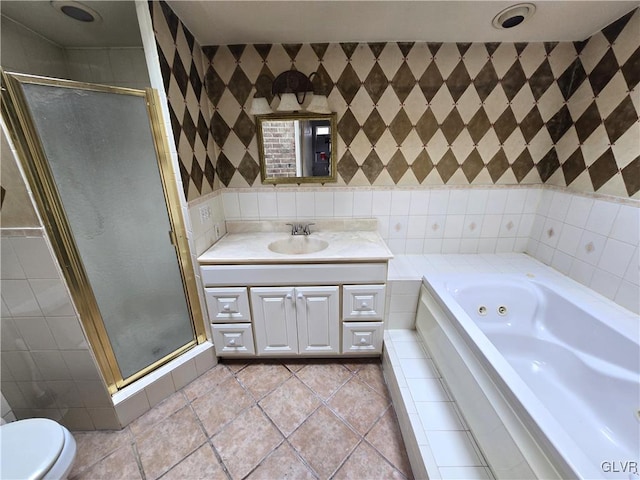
(172, 238)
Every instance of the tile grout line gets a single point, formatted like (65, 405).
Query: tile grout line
(207, 441)
(188, 454)
(136, 454)
(389, 408)
(257, 405)
(188, 403)
(353, 372)
(109, 452)
(285, 438)
(346, 458)
(209, 438)
(361, 437)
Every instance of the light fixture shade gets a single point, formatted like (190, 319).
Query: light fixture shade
(319, 104)
(289, 103)
(260, 106)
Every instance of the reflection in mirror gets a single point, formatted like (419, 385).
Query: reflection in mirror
(297, 148)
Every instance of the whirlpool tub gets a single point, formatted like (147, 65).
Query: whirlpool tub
(548, 383)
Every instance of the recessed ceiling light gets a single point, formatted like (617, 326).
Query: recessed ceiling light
(76, 10)
(514, 15)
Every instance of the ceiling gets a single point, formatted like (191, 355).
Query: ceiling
(118, 28)
(220, 22)
(233, 21)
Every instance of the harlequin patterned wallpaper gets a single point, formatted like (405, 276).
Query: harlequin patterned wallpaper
(445, 114)
(182, 64)
(599, 148)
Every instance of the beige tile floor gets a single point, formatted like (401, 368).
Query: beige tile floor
(276, 420)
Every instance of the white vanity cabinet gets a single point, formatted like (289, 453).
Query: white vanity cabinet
(283, 310)
(296, 320)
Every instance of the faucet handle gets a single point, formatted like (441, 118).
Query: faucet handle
(294, 228)
(306, 229)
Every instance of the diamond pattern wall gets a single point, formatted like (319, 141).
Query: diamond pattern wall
(182, 65)
(599, 148)
(432, 114)
(436, 113)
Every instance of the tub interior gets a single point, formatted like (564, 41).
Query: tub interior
(583, 371)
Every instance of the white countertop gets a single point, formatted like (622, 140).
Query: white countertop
(252, 247)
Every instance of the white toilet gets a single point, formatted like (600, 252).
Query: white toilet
(36, 448)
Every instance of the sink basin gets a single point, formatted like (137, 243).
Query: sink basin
(298, 245)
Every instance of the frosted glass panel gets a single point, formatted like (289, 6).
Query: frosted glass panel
(101, 153)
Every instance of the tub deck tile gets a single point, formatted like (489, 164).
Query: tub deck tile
(447, 448)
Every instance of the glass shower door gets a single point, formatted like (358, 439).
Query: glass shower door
(100, 151)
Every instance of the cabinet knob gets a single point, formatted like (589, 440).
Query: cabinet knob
(232, 342)
(363, 341)
(365, 305)
(288, 296)
(300, 296)
(226, 308)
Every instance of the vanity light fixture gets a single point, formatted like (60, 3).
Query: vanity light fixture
(291, 87)
(260, 106)
(319, 104)
(289, 103)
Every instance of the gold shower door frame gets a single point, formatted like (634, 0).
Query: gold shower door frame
(40, 178)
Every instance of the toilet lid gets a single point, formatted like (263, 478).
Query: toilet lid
(29, 448)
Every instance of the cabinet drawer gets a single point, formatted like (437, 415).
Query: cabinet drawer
(363, 302)
(362, 337)
(235, 339)
(227, 305)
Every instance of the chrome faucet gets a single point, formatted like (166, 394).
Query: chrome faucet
(306, 230)
(300, 229)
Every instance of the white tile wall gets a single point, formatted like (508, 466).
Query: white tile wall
(410, 221)
(47, 368)
(34, 257)
(103, 418)
(27, 52)
(52, 296)
(592, 240)
(19, 298)
(204, 228)
(6, 413)
(121, 67)
(401, 300)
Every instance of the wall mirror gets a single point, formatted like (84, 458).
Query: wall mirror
(297, 148)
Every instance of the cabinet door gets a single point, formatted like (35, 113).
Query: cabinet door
(318, 323)
(274, 320)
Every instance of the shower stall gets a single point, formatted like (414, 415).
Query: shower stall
(100, 173)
